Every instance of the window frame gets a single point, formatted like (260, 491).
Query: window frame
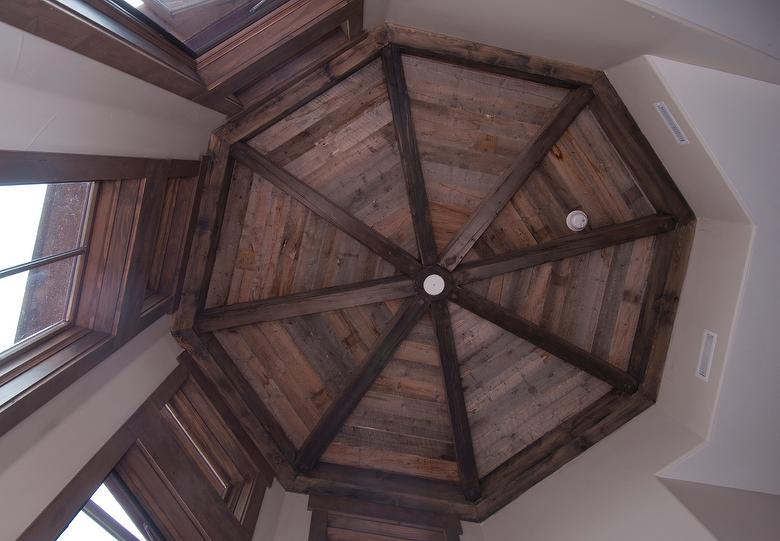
(126, 192)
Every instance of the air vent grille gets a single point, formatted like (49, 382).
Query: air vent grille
(671, 123)
(705, 355)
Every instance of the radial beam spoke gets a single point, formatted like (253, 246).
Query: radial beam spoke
(410, 154)
(568, 246)
(461, 431)
(544, 339)
(529, 159)
(308, 302)
(325, 208)
(360, 382)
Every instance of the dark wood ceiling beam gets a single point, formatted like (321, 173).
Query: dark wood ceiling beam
(410, 154)
(530, 158)
(308, 302)
(361, 380)
(568, 246)
(325, 208)
(461, 431)
(544, 339)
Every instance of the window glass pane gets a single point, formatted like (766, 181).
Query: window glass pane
(83, 528)
(201, 24)
(34, 300)
(108, 503)
(40, 220)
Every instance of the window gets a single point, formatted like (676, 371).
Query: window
(44, 235)
(198, 25)
(103, 518)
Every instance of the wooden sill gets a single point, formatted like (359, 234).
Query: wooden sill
(37, 375)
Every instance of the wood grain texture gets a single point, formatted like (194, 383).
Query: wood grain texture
(528, 160)
(581, 171)
(470, 128)
(402, 424)
(503, 375)
(359, 383)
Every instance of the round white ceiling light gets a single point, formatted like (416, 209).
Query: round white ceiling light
(577, 220)
(433, 285)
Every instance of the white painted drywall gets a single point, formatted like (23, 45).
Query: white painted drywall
(284, 516)
(55, 100)
(739, 120)
(753, 22)
(596, 33)
(39, 456)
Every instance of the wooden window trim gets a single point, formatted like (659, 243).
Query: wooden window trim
(58, 514)
(35, 370)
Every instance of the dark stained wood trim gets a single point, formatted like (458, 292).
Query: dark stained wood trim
(318, 530)
(410, 154)
(18, 167)
(553, 450)
(662, 296)
(529, 159)
(360, 381)
(290, 98)
(269, 42)
(461, 431)
(58, 514)
(393, 513)
(81, 27)
(564, 247)
(325, 208)
(489, 58)
(650, 173)
(205, 235)
(544, 339)
(309, 302)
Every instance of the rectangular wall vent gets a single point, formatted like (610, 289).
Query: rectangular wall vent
(705, 355)
(671, 123)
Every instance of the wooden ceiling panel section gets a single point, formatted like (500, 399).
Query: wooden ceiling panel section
(271, 245)
(343, 145)
(470, 126)
(591, 300)
(329, 208)
(515, 392)
(297, 366)
(583, 171)
(402, 424)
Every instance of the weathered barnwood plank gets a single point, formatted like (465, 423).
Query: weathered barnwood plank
(255, 120)
(532, 155)
(325, 208)
(489, 58)
(301, 304)
(561, 248)
(576, 356)
(410, 154)
(656, 319)
(461, 432)
(212, 203)
(630, 142)
(360, 382)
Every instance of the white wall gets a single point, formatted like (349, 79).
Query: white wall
(39, 456)
(54, 100)
(284, 516)
(739, 119)
(596, 33)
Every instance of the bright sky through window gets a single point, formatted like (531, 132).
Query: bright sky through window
(20, 214)
(83, 528)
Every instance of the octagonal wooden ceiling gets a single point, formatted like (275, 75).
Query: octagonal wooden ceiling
(326, 208)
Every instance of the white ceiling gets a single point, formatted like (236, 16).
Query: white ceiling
(595, 33)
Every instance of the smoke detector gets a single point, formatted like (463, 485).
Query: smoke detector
(577, 220)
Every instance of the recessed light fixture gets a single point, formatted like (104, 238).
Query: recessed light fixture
(433, 284)
(577, 220)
